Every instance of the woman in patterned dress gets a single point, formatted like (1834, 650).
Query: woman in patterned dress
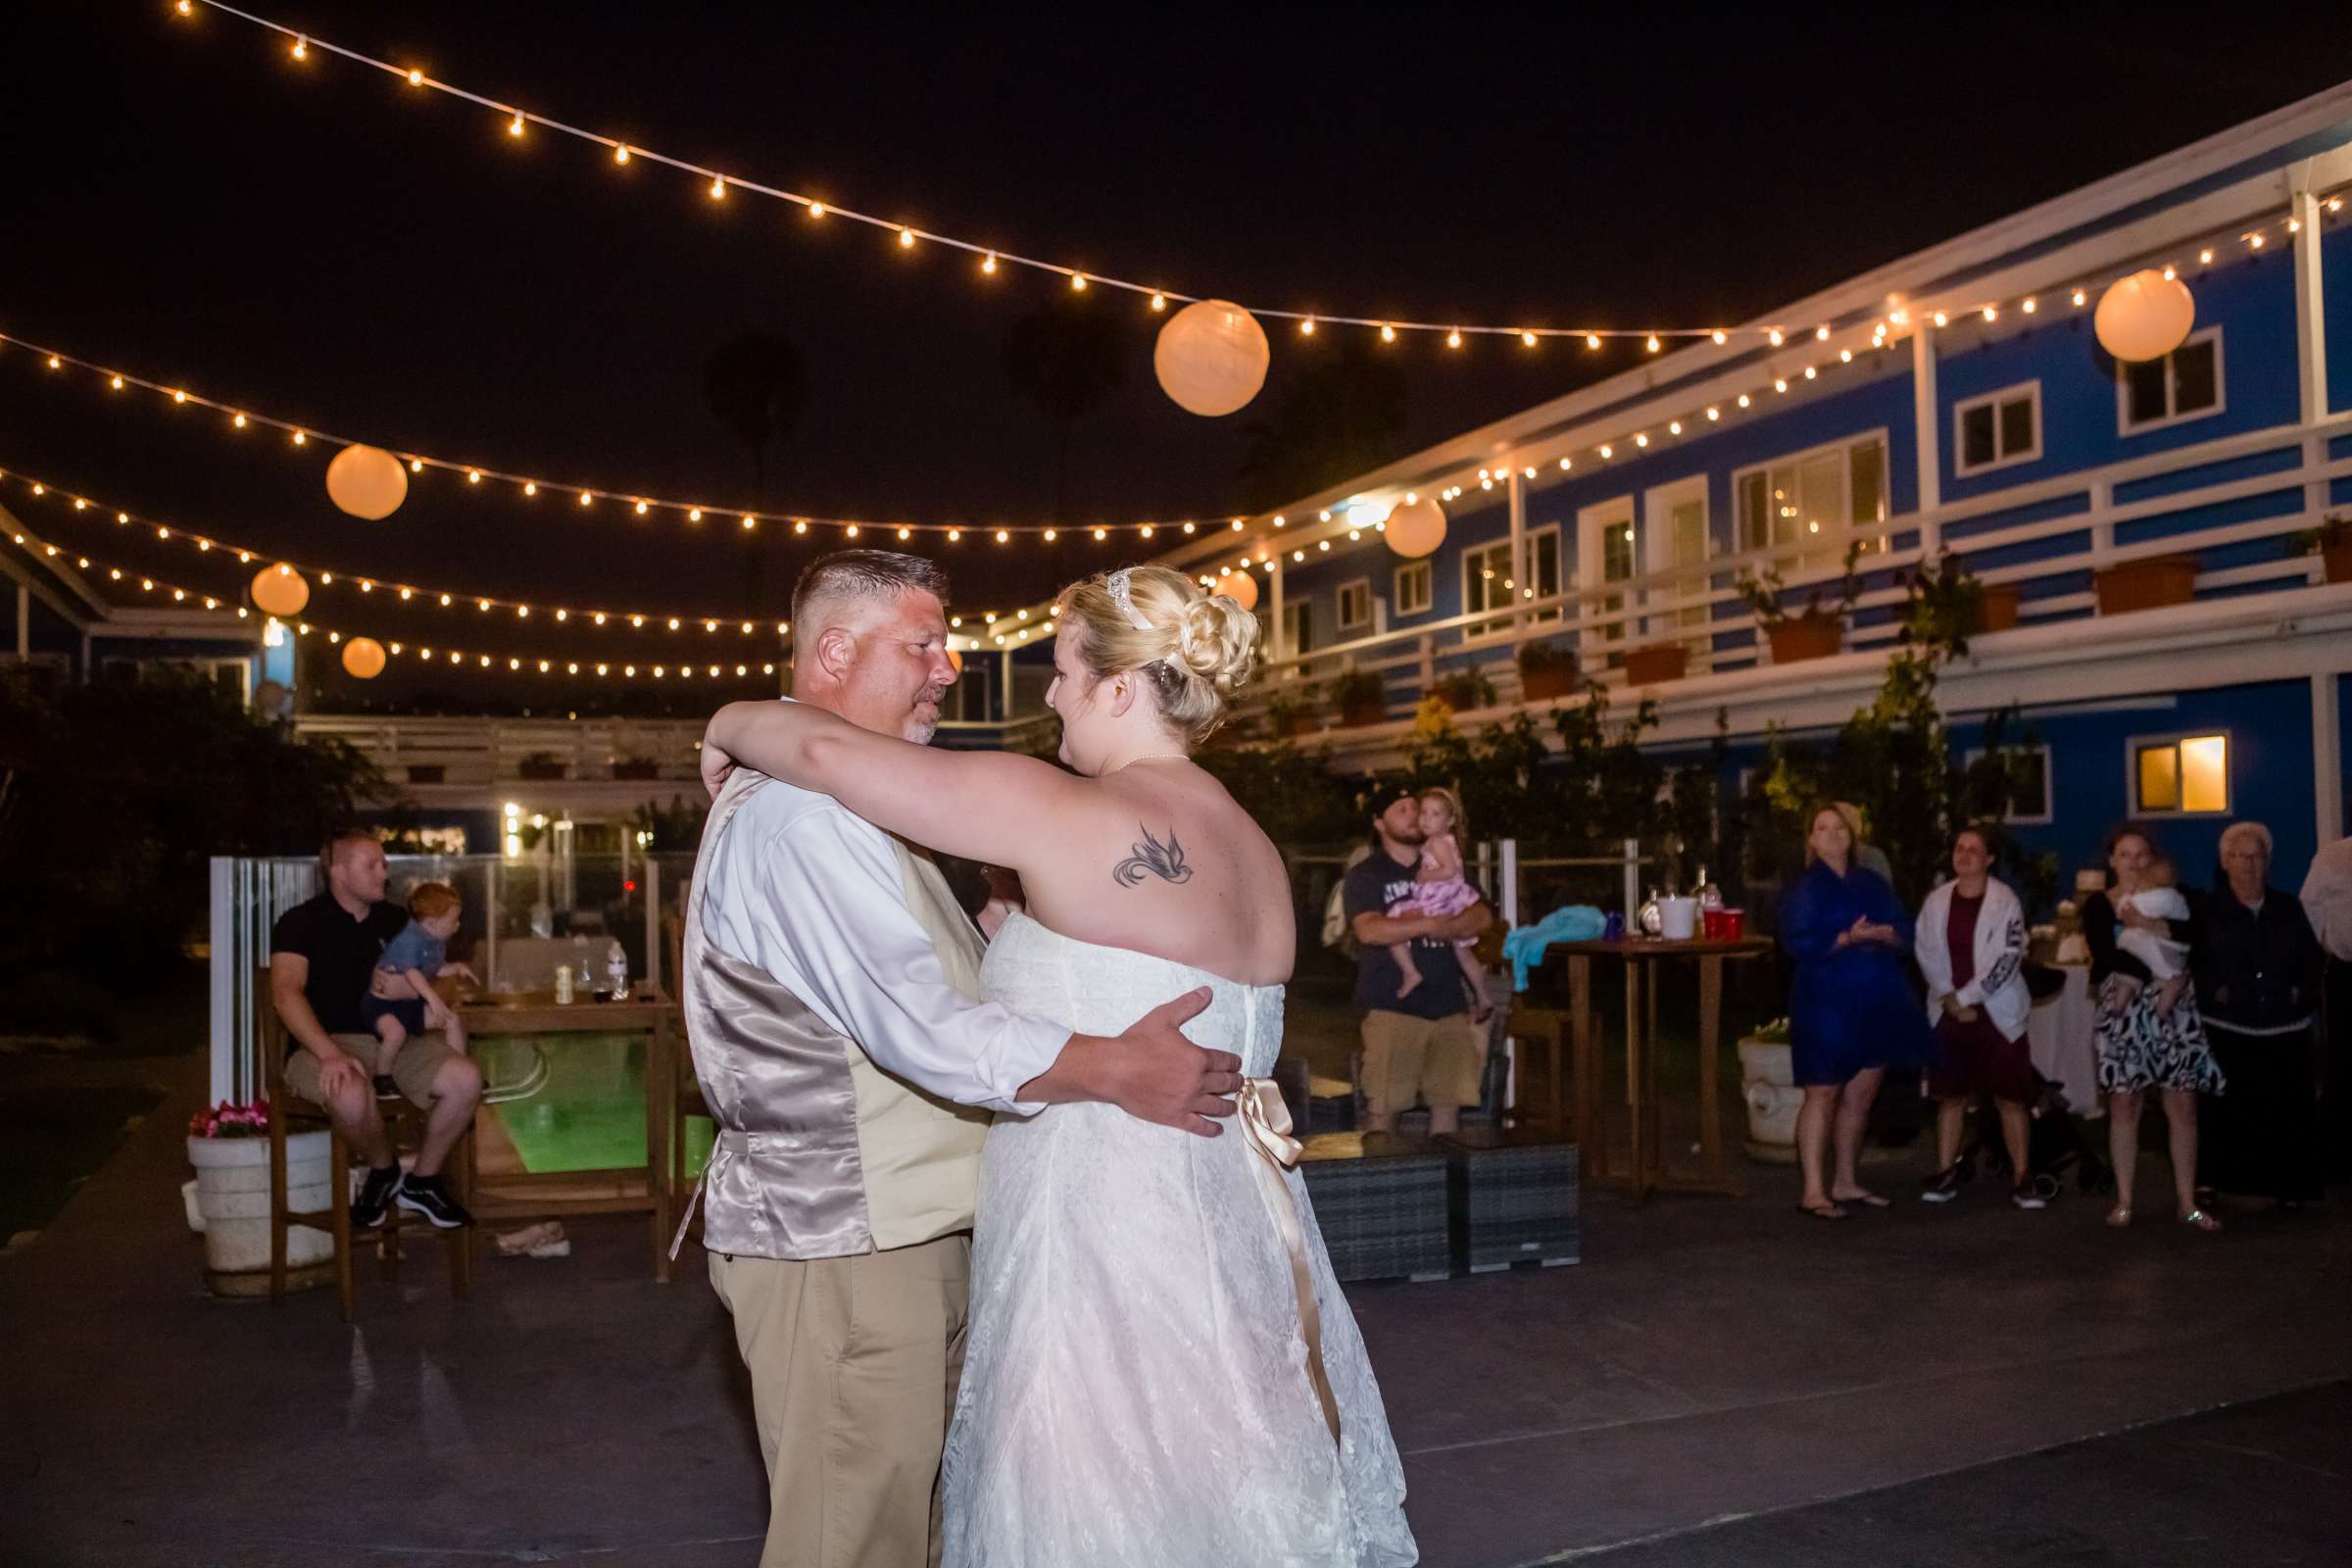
(2149, 1033)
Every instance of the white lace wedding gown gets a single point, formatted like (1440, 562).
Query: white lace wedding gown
(1134, 1383)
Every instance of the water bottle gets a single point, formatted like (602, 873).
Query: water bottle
(616, 971)
(562, 985)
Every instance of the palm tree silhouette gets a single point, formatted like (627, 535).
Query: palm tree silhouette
(1066, 359)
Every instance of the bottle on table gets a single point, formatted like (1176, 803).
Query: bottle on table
(616, 971)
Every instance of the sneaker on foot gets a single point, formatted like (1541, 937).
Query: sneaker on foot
(1942, 1187)
(2025, 1196)
(424, 1195)
(370, 1208)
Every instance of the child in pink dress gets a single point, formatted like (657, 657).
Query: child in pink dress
(1440, 889)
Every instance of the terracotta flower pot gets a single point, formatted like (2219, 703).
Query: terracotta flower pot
(1656, 664)
(1547, 681)
(1806, 637)
(2150, 583)
(1998, 611)
(2338, 560)
(1297, 724)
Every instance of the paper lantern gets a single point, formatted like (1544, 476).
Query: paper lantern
(1416, 527)
(2144, 317)
(281, 591)
(366, 482)
(1211, 358)
(1239, 587)
(364, 658)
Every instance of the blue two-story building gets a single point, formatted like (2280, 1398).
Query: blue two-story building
(1957, 400)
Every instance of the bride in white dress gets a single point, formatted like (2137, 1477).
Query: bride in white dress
(1160, 1369)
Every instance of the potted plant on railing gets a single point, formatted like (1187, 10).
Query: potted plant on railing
(1656, 663)
(540, 765)
(1463, 690)
(636, 768)
(1546, 670)
(2332, 542)
(2149, 583)
(1948, 604)
(1814, 632)
(1292, 711)
(1361, 697)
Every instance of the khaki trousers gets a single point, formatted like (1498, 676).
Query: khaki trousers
(853, 1362)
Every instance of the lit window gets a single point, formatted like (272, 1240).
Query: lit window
(1818, 493)
(2180, 774)
(1355, 604)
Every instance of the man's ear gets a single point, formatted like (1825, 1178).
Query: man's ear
(836, 653)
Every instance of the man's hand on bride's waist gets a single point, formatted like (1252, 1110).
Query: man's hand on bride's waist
(1152, 1071)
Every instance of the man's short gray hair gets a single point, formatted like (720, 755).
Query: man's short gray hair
(2247, 830)
(862, 575)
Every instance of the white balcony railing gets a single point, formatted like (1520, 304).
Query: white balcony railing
(2054, 532)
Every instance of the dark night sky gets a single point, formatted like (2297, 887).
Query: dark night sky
(321, 242)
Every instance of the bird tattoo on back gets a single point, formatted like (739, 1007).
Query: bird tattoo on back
(1153, 858)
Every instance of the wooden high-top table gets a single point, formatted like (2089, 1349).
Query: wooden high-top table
(1643, 957)
(622, 1190)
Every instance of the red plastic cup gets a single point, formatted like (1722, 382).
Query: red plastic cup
(1711, 924)
(1735, 924)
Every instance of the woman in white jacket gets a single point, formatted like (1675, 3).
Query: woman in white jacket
(1970, 944)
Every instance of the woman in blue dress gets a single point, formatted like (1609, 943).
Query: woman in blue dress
(1851, 1014)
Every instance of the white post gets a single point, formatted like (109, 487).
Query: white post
(228, 953)
(1516, 489)
(1510, 906)
(1004, 691)
(1928, 432)
(2311, 325)
(2326, 758)
(1281, 641)
(652, 923)
(24, 634)
(1633, 885)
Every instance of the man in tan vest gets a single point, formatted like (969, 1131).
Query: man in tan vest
(831, 988)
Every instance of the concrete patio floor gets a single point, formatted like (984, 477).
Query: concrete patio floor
(1719, 1381)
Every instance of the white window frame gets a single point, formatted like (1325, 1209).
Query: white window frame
(1340, 616)
(2135, 744)
(2049, 788)
(1499, 626)
(1657, 545)
(1964, 470)
(1416, 572)
(1843, 447)
(2221, 389)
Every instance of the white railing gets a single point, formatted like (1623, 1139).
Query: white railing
(1652, 605)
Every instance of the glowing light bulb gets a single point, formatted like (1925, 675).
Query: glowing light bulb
(300, 439)
(621, 154)
(1652, 343)
(179, 397)
(1306, 329)
(1604, 450)
(642, 509)
(1674, 428)
(1773, 337)
(416, 464)
(1388, 334)
(1743, 400)
(988, 264)
(530, 487)
(719, 187)
(1720, 337)
(1453, 339)
(117, 384)
(415, 77)
(1528, 338)
(2078, 296)
(906, 239)
(1077, 282)
(585, 498)
(1942, 319)
(515, 126)
(302, 49)
(1101, 533)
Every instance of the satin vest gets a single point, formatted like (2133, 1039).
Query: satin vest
(820, 1154)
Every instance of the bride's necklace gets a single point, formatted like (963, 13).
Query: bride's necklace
(1148, 757)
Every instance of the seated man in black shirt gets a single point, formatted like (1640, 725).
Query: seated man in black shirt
(1420, 1045)
(322, 956)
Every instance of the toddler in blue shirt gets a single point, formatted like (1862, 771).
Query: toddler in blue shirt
(400, 999)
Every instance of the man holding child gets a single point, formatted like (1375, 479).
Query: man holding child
(341, 1034)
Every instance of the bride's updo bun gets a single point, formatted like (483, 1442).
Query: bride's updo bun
(1192, 648)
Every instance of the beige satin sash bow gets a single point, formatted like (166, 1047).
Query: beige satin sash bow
(1266, 1123)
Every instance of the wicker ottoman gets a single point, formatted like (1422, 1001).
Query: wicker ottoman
(1380, 1201)
(1513, 1199)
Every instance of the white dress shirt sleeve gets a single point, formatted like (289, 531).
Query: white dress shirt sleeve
(833, 911)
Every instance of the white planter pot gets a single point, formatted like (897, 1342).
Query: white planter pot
(233, 1199)
(1769, 1086)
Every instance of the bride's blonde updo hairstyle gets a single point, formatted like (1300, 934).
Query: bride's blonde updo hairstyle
(1191, 647)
